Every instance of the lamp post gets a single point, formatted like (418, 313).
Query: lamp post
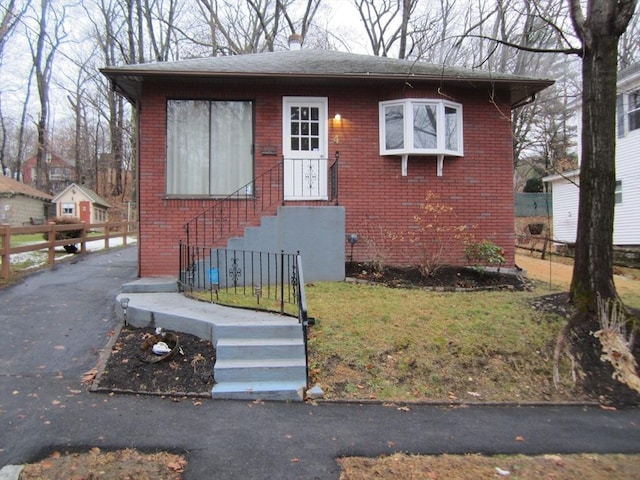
(352, 238)
(124, 303)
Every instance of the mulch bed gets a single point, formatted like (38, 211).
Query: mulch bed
(129, 368)
(445, 277)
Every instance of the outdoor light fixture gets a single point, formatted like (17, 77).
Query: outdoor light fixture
(337, 117)
(124, 303)
(352, 238)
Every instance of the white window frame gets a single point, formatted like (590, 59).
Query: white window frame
(633, 110)
(70, 206)
(408, 135)
(305, 169)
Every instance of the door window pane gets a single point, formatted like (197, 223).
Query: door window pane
(305, 128)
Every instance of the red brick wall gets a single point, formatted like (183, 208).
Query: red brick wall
(380, 204)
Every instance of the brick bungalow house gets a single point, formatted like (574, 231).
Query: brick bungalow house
(332, 145)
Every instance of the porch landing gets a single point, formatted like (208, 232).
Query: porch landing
(259, 355)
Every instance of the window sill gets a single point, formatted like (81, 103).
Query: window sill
(213, 198)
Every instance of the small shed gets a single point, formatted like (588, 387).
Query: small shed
(83, 203)
(21, 204)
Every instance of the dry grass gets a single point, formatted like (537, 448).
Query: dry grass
(473, 467)
(121, 464)
(374, 342)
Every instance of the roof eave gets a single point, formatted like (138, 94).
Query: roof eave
(128, 82)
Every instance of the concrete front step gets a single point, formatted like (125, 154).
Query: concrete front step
(280, 369)
(259, 348)
(282, 391)
(285, 328)
(151, 285)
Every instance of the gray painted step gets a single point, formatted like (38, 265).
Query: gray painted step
(286, 329)
(151, 285)
(283, 391)
(259, 348)
(284, 370)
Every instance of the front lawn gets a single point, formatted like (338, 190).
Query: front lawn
(375, 342)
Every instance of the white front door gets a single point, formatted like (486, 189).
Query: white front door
(305, 146)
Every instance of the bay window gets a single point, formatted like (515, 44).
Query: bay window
(209, 147)
(420, 127)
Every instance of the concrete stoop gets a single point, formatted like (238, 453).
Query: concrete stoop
(260, 366)
(259, 355)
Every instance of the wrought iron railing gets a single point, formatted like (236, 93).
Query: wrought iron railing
(225, 215)
(270, 280)
(223, 219)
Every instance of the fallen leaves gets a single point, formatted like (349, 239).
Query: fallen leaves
(128, 463)
(90, 376)
(473, 466)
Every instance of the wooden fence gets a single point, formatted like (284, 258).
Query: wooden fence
(99, 231)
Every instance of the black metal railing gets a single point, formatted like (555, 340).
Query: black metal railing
(226, 214)
(270, 280)
(259, 197)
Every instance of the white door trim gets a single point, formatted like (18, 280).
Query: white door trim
(305, 150)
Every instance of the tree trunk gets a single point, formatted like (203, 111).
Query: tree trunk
(593, 270)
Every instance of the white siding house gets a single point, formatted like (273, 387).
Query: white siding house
(564, 187)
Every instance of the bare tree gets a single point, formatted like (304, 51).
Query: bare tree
(387, 23)
(253, 26)
(628, 49)
(43, 47)
(599, 32)
(10, 15)
(161, 25)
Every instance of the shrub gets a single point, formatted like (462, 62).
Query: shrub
(67, 234)
(484, 253)
(436, 233)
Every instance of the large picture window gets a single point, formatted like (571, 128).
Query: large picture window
(209, 147)
(420, 127)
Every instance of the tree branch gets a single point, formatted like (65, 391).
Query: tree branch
(567, 51)
(577, 19)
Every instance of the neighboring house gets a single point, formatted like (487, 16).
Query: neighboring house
(21, 204)
(80, 202)
(346, 143)
(565, 186)
(61, 172)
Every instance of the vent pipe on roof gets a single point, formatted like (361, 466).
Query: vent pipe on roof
(295, 41)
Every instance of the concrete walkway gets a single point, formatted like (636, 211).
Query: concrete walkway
(55, 323)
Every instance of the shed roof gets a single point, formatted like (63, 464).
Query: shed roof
(90, 194)
(318, 66)
(10, 187)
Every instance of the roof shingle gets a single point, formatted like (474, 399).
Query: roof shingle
(11, 187)
(320, 65)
